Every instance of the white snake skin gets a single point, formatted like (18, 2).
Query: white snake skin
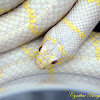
(7, 5)
(63, 40)
(30, 20)
(20, 62)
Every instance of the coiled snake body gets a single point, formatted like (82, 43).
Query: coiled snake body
(32, 19)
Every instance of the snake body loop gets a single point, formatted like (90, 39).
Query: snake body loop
(57, 48)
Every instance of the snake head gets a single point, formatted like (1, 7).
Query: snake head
(48, 54)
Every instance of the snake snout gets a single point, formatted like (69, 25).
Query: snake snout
(41, 58)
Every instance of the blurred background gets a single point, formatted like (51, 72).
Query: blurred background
(97, 28)
(47, 95)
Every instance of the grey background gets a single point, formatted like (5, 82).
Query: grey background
(47, 95)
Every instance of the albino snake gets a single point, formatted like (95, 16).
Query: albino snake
(33, 18)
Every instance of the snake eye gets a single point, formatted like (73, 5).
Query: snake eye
(54, 62)
(40, 48)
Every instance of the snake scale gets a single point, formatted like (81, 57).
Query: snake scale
(20, 63)
(63, 40)
(30, 18)
(8, 5)
(33, 18)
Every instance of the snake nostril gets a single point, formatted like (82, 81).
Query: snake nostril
(40, 48)
(54, 62)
